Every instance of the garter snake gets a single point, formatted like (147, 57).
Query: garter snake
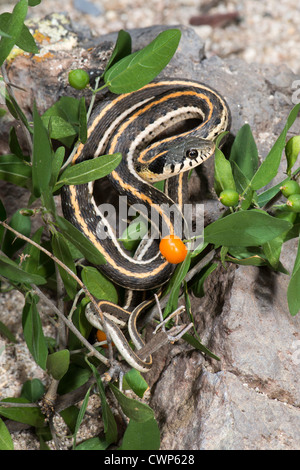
(132, 124)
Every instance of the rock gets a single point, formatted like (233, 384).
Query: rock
(250, 398)
(87, 7)
(220, 412)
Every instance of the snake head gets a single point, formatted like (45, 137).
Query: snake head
(164, 160)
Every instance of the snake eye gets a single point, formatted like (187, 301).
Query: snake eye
(192, 154)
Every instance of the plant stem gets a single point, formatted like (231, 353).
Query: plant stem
(71, 326)
(86, 291)
(56, 260)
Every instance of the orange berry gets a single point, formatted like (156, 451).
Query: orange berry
(101, 336)
(173, 249)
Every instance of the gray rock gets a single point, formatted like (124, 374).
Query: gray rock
(221, 412)
(250, 399)
(87, 7)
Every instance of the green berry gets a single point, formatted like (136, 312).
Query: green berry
(78, 79)
(229, 197)
(293, 203)
(289, 188)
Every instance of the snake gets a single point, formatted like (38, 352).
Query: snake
(140, 126)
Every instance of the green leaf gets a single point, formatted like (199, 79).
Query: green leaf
(59, 128)
(2, 33)
(81, 323)
(292, 150)
(6, 442)
(21, 224)
(136, 382)
(243, 186)
(90, 170)
(58, 159)
(30, 415)
(32, 253)
(17, 112)
(175, 284)
(82, 121)
(272, 250)
(122, 49)
(134, 409)
(85, 247)
(244, 152)
(13, 29)
(5, 331)
(62, 252)
(223, 173)
(98, 285)
(141, 436)
(2, 218)
(110, 426)
(268, 194)
(245, 228)
(138, 69)
(94, 443)
(269, 167)
(199, 346)
(66, 107)
(14, 145)
(69, 112)
(33, 3)
(13, 272)
(70, 416)
(58, 363)
(13, 170)
(81, 415)
(25, 41)
(198, 283)
(133, 234)
(33, 390)
(252, 261)
(293, 292)
(42, 157)
(33, 332)
(73, 379)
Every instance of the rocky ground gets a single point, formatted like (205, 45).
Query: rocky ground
(244, 403)
(264, 31)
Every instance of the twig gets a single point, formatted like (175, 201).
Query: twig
(56, 260)
(74, 305)
(68, 323)
(72, 327)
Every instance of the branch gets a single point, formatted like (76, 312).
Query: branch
(70, 272)
(71, 326)
(56, 260)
